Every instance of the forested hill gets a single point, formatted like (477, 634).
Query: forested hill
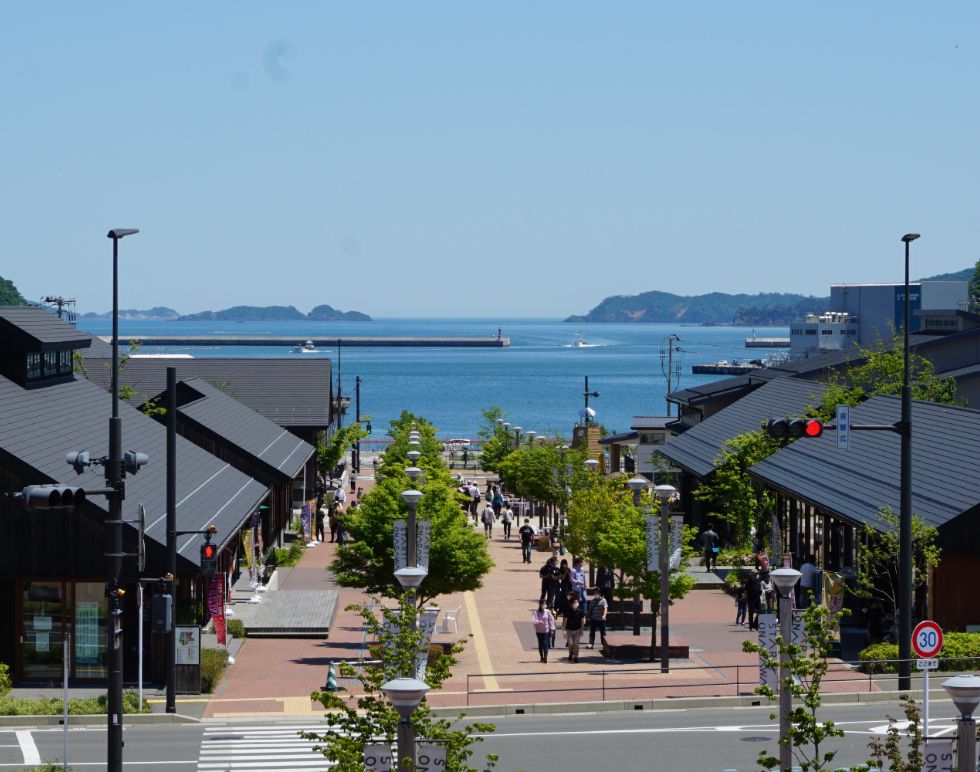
(9, 296)
(762, 310)
(275, 313)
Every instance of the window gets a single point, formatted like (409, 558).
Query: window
(826, 332)
(65, 361)
(33, 366)
(811, 332)
(50, 363)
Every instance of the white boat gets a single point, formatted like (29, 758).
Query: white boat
(580, 342)
(306, 347)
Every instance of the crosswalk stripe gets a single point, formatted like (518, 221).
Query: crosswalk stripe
(273, 748)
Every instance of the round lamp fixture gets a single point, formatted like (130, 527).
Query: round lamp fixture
(411, 496)
(785, 578)
(964, 691)
(411, 577)
(405, 694)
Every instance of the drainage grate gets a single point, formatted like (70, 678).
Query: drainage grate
(754, 739)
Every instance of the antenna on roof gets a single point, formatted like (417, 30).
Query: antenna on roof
(65, 306)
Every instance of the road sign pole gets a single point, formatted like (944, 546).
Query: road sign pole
(925, 703)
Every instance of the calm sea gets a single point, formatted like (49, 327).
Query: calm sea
(538, 381)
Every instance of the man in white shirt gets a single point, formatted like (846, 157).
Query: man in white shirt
(808, 576)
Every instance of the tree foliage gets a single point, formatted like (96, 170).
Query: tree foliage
(9, 295)
(543, 471)
(877, 557)
(330, 452)
(807, 666)
(732, 494)
(356, 718)
(974, 288)
(458, 558)
(497, 444)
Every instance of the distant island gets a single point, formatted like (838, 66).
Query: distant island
(767, 309)
(322, 313)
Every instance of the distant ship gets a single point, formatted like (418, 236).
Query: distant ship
(580, 342)
(304, 348)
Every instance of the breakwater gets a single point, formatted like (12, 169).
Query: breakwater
(320, 343)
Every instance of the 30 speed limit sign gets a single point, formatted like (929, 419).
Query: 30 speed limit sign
(927, 639)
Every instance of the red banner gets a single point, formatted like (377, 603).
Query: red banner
(216, 605)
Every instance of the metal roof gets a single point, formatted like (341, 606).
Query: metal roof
(699, 447)
(289, 392)
(619, 439)
(217, 413)
(39, 426)
(32, 328)
(703, 392)
(854, 483)
(651, 421)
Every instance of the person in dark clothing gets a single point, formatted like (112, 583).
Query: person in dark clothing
(753, 594)
(709, 546)
(526, 532)
(573, 626)
(604, 581)
(875, 616)
(550, 581)
(597, 619)
(320, 515)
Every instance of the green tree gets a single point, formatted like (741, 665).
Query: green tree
(889, 750)
(807, 666)
(974, 287)
(331, 451)
(497, 443)
(877, 557)
(356, 718)
(732, 493)
(9, 296)
(458, 558)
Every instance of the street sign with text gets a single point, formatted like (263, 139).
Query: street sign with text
(843, 427)
(927, 639)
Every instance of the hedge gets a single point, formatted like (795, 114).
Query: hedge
(53, 706)
(213, 664)
(957, 647)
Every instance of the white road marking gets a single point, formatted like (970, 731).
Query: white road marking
(27, 747)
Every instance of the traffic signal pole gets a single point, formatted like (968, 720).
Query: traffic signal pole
(171, 645)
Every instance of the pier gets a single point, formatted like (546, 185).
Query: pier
(321, 343)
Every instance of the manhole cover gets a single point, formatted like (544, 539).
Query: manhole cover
(753, 739)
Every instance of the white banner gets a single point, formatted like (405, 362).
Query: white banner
(653, 543)
(676, 540)
(430, 757)
(426, 624)
(768, 630)
(400, 536)
(938, 756)
(424, 528)
(377, 757)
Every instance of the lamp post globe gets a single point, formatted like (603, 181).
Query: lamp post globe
(410, 577)
(664, 492)
(413, 456)
(592, 464)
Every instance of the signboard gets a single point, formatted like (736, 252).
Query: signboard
(423, 532)
(768, 630)
(653, 543)
(927, 664)
(216, 606)
(377, 757)
(937, 756)
(430, 757)
(927, 639)
(306, 512)
(400, 538)
(843, 427)
(426, 621)
(833, 591)
(188, 645)
(87, 636)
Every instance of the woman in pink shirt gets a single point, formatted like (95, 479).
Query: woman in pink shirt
(544, 627)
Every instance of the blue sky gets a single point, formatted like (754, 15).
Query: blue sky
(511, 159)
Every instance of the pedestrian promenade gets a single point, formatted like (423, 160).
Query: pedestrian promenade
(500, 664)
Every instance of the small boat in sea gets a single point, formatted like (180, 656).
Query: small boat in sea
(306, 347)
(580, 342)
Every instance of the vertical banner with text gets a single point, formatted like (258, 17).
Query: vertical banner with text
(216, 605)
(400, 538)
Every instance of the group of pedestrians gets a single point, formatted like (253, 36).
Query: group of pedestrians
(563, 594)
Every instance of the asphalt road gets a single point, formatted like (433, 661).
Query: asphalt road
(702, 740)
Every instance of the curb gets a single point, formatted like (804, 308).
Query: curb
(98, 719)
(679, 703)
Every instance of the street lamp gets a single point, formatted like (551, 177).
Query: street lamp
(592, 464)
(785, 580)
(114, 540)
(964, 691)
(905, 502)
(405, 694)
(530, 436)
(517, 437)
(637, 485)
(664, 494)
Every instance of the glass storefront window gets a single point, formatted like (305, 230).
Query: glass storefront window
(89, 630)
(41, 641)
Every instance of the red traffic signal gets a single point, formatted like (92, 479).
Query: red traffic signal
(209, 558)
(781, 428)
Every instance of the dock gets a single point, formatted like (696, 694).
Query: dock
(326, 344)
(767, 343)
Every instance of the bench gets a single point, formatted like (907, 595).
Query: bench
(623, 647)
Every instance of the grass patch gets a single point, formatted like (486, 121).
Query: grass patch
(53, 706)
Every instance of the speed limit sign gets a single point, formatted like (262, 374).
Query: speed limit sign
(927, 639)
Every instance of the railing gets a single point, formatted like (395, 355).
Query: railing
(682, 681)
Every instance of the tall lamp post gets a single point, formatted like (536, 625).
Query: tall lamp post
(785, 580)
(905, 503)
(636, 485)
(664, 493)
(964, 691)
(405, 694)
(114, 541)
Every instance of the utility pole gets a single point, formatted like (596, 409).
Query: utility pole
(357, 414)
(667, 367)
(587, 394)
(171, 645)
(340, 404)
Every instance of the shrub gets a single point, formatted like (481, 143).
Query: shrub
(236, 628)
(957, 648)
(732, 580)
(735, 557)
(5, 682)
(53, 706)
(290, 556)
(213, 664)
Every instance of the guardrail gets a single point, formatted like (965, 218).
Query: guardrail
(739, 679)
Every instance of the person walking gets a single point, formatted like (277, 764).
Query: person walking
(578, 581)
(573, 626)
(753, 592)
(320, 515)
(526, 532)
(474, 502)
(550, 581)
(488, 517)
(604, 581)
(507, 518)
(808, 576)
(334, 522)
(544, 627)
(597, 619)
(741, 603)
(497, 500)
(709, 545)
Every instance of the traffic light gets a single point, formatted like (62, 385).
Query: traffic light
(782, 428)
(52, 496)
(161, 612)
(209, 558)
(116, 614)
